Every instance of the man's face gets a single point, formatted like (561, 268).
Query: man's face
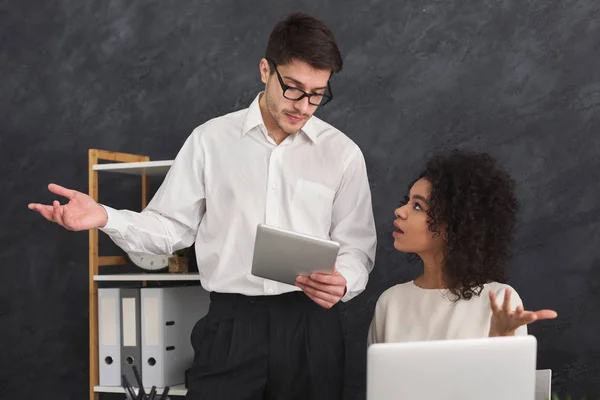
(290, 115)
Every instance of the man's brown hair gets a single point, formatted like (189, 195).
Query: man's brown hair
(304, 37)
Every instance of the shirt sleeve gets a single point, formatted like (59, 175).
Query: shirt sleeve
(353, 226)
(171, 219)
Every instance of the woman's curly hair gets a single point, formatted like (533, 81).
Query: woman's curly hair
(475, 200)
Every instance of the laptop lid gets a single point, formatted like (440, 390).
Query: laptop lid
(466, 369)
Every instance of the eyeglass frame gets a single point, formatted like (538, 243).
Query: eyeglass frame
(326, 96)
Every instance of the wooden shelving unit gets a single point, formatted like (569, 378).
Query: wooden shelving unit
(178, 390)
(130, 164)
(142, 168)
(194, 276)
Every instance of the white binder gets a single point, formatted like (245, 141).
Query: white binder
(168, 317)
(109, 337)
(131, 335)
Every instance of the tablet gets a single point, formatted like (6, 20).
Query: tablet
(281, 255)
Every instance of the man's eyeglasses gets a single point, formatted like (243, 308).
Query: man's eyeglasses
(295, 94)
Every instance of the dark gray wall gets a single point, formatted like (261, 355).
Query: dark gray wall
(517, 78)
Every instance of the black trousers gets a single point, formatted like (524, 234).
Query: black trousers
(283, 347)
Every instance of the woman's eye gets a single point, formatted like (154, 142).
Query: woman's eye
(418, 207)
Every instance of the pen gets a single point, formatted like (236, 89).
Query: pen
(152, 393)
(141, 394)
(128, 391)
(164, 394)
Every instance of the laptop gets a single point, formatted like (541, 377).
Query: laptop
(543, 384)
(465, 369)
(281, 255)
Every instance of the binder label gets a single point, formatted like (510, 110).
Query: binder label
(108, 318)
(129, 325)
(151, 323)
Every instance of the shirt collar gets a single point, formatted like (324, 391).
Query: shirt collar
(309, 129)
(254, 119)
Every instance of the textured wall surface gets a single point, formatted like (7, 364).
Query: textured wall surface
(517, 78)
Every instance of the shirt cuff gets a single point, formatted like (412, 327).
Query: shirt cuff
(115, 223)
(350, 277)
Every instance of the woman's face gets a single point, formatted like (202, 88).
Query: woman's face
(412, 234)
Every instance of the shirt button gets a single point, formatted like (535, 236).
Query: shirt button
(270, 291)
(274, 186)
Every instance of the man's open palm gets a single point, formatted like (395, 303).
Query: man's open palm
(80, 213)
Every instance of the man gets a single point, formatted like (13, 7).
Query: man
(272, 163)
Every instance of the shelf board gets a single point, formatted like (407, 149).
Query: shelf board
(177, 390)
(149, 168)
(193, 276)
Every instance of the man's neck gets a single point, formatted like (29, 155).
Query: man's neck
(273, 129)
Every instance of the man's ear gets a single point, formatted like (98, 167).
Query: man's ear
(265, 70)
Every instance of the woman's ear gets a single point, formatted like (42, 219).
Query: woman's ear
(441, 233)
(444, 232)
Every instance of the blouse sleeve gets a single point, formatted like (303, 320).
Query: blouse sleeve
(376, 328)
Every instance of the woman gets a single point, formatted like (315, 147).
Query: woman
(458, 219)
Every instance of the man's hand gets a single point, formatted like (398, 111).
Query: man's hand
(324, 289)
(81, 213)
(505, 322)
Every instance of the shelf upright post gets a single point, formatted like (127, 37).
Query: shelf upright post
(95, 261)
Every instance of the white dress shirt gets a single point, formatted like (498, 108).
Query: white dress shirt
(230, 175)
(408, 313)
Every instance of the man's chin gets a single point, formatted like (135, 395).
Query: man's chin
(290, 128)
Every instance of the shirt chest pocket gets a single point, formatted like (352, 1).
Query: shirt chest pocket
(312, 205)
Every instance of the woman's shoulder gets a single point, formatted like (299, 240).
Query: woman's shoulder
(499, 289)
(393, 293)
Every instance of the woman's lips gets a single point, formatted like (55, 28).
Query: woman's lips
(398, 231)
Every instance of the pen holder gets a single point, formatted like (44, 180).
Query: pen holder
(145, 397)
(138, 393)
